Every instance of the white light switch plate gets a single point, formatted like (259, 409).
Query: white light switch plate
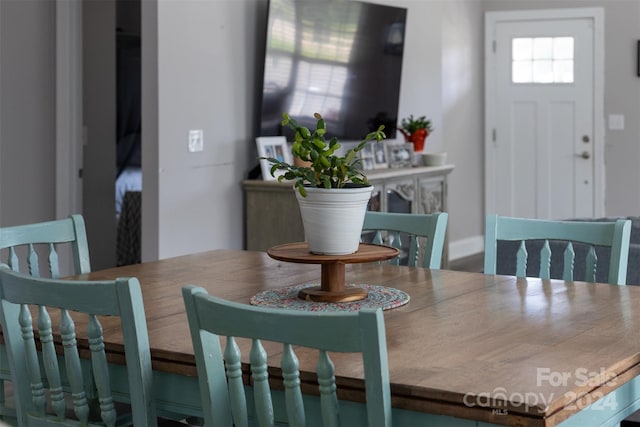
(616, 122)
(196, 140)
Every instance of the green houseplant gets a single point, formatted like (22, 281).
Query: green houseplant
(416, 130)
(326, 169)
(332, 191)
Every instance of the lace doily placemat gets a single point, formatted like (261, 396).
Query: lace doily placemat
(378, 296)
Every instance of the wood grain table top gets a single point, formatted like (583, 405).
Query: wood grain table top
(520, 352)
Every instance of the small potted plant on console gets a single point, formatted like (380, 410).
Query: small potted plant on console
(415, 131)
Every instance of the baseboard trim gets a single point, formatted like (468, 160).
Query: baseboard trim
(466, 247)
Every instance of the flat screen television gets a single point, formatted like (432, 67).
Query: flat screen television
(342, 59)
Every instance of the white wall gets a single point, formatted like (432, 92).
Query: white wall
(622, 96)
(205, 80)
(463, 127)
(209, 62)
(420, 90)
(27, 105)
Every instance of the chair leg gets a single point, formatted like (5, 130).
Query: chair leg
(7, 413)
(2, 400)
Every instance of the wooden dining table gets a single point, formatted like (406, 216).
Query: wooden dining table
(468, 349)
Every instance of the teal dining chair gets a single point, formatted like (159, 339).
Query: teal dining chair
(425, 234)
(30, 248)
(38, 384)
(557, 243)
(223, 396)
(31, 242)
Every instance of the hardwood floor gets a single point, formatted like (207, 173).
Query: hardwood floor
(473, 263)
(12, 422)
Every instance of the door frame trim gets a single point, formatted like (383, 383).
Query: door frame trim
(596, 14)
(68, 115)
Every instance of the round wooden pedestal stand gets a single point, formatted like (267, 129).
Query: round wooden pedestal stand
(332, 287)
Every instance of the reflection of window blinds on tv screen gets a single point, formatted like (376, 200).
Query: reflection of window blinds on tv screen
(342, 59)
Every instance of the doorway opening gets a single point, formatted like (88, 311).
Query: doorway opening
(128, 183)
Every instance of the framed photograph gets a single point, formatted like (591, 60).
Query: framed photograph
(367, 157)
(400, 155)
(379, 155)
(276, 147)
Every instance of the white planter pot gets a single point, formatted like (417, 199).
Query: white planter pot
(333, 218)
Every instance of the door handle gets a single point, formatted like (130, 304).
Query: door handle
(585, 155)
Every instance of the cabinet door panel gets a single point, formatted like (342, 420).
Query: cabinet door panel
(431, 196)
(400, 196)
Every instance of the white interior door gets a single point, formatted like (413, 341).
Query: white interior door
(544, 156)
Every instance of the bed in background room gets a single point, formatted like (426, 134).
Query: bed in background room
(128, 184)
